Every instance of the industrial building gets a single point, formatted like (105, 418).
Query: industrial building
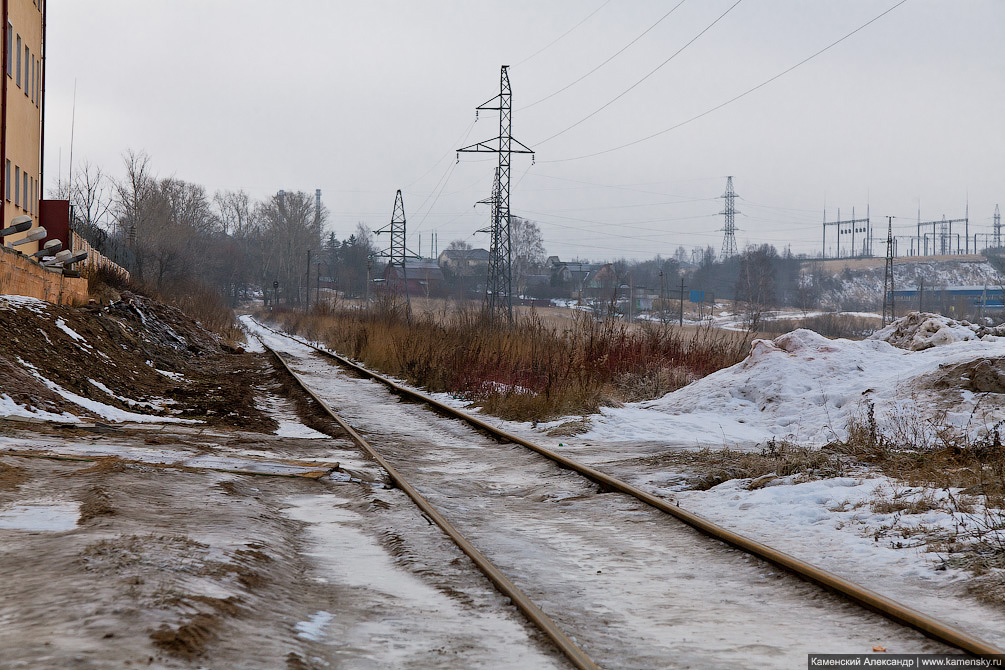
(23, 96)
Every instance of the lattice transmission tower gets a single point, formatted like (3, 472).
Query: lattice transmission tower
(889, 313)
(398, 252)
(998, 229)
(729, 229)
(499, 288)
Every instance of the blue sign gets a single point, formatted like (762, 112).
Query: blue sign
(697, 296)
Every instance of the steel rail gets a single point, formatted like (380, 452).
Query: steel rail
(535, 614)
(891, 609)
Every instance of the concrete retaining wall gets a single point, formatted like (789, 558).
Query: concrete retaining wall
(22, 276)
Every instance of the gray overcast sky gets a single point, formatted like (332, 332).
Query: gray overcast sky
(362, 98)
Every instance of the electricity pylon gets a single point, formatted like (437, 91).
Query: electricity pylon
(888, 308)
(493, 231)
(998, 229)
(397, 253)
(729, 229)
(499, 289)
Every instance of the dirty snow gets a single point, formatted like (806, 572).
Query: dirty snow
(40, 515)
(100, 409)
(283, 412)
(266, 463)
(802, 387)
(405, 618)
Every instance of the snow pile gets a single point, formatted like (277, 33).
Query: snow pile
(806, 388)
(919, 330)
(11, 408)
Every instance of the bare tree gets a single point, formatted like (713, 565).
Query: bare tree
(289, 227)
(234, 212)
(526, 249)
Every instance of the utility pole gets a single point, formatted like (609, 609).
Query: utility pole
(398, 252)
(729, 228)
(888, 307)
(307, 284)
(663, 308)
(682, 301)
(499, 289)
(921, 295)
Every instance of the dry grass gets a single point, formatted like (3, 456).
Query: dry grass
(829, 325)
(968, 472)
(531, 370)
(711, 467)
(206, 306)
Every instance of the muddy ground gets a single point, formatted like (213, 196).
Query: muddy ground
(168, 545)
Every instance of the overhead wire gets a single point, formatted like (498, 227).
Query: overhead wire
(651, 73)
(731, 100)
(563, 35)
(461, 139)
(609, 59)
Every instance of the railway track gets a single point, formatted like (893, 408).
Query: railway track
(435, 469)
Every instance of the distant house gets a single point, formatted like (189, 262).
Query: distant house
(601, 283)
(583, 280)
(464, 262)
(423, 278)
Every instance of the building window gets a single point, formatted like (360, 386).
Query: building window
(32, 84)
(27, 59)
(18, 80)
(10, 50)
(6, 180)
(25, 186)
(17, 186)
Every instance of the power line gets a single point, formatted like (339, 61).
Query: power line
(616, 54)
(651, 73)
(460, 140)
(563, 35)
(731, 100)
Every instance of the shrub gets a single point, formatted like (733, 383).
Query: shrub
(527, 370)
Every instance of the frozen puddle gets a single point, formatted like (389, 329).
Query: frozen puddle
(314, 628)
(282, 411)
(41, 516)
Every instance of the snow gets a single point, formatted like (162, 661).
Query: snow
(100, 409)
(283, 412)
(313, 629)
(805, 388)
(177, 376)
(404, 617)
(267, 463)
(24, 302)
(802, 387)
(71, 332)
(834, 523)
(40, 516)
(9, 408)
(920, 331)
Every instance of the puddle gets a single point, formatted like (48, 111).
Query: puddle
(41, 516)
